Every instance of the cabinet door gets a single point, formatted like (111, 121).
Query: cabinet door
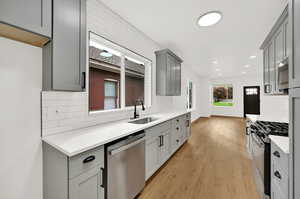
(285, 27)
(272, 68)
(177, 81)
(170, 76)
(87, 186)
(294, 129)
(279, 53)
(69, 46)
(31, 15)
(152, 156)
(165, 149)
(266, 71)
(294, 28)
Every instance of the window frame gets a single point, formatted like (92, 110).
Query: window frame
(125, 52)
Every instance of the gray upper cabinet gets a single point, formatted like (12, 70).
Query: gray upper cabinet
(168, 73)
(275, 51)
(266, 71)
(27, 21)
(272, 67)
(294, 41)
(65, 56)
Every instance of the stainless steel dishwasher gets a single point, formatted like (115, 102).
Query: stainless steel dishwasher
(126, 167)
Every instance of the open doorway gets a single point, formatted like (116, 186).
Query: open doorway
(251, 100)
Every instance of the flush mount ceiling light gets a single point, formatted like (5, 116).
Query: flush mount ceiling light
(209, 18)
(247, 66)
(252, 57)
(105, 53)
(243, 72)
(217, 69)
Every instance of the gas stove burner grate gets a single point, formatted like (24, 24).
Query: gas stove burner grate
(273, 128)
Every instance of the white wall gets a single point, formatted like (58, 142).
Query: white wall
(268, 103)
(201, 91)
(20, 128)
(63, 111)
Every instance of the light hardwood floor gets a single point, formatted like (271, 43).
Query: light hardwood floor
(213, 164)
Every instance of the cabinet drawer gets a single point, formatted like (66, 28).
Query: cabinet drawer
(279, 158)
(156, 130)
(279, 177)
(85, 161)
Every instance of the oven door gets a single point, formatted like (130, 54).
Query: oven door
(258, 154)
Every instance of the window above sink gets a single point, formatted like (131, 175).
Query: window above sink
(117, 76)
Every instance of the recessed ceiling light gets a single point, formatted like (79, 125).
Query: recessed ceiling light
(220, 74)
(252, 57)
(215, 62)
(247, 66)
(243, 72)
(217, 69)
(209, 18)
(105, 53)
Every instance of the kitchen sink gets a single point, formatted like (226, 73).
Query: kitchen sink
(143, 120)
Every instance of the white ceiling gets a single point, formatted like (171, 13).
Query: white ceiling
(173, 24)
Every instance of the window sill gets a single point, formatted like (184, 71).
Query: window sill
(129, 108)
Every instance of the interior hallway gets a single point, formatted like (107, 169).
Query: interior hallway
(213, 164)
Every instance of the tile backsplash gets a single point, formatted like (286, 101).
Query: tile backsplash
(65, 111)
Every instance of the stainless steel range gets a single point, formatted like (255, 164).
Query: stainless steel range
(259, 132)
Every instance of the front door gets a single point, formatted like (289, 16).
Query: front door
(251, 100)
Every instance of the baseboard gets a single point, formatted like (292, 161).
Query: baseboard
(226, 116)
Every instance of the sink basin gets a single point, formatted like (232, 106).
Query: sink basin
(143, 120)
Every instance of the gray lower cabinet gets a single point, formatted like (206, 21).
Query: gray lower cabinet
(76, 177)
(87, 185)
(294, 61)
(279, 173)
(33, 16)
(168, 73)
(294, 129)
(64, 58)
(164, 140)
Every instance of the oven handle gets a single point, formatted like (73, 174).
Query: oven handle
(123, 148)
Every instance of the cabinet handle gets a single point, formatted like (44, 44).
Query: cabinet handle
(160, 141)
(83, 80)
(89, 159)
(103, 178)
(177, 140)
(177, 128)
(277, 154)
(177, 120)
(277, 174)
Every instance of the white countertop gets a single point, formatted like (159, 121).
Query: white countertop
(77, 141)
(254, 118)
(282, 142)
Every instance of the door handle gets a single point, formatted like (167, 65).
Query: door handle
(123, 148)
(277, 174)
(89, 159)
(103, 178)
(160, 140)
(277, 154)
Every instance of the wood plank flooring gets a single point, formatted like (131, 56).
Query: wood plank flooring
(213, 164)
